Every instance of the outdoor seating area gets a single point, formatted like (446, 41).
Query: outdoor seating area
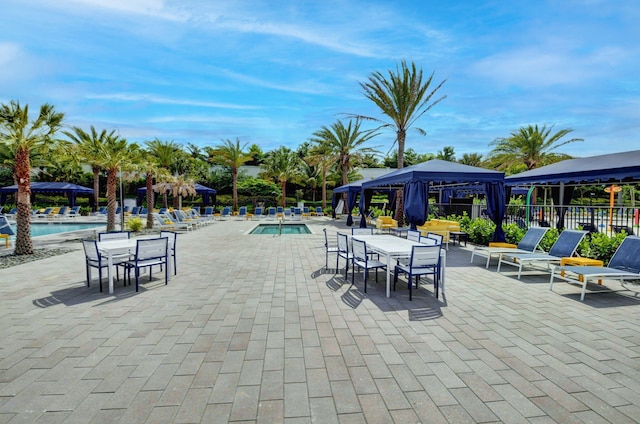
(244, 319)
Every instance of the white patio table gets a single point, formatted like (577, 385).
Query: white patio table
(393, 247)
(118, 248)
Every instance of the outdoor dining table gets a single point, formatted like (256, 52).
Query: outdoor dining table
(392, 248)
(118, 248)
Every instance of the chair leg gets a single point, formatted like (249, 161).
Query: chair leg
(410, 284)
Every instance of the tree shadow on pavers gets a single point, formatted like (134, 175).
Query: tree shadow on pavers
(352, 297)
(80, 294)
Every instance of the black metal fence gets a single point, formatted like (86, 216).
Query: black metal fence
(591, 218)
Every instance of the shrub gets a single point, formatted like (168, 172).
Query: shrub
(134, 224)
(513, 233)
(600, 246)
(480, 231)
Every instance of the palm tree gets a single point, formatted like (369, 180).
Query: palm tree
(447, 153)
(116, 155)
(471, 159)
(345, 144)
(182, 186)
(531, 146)
(165, 153)
(282, 165)
(89, 147)
(22, 136)
(404, 98)
(233, 156)
(322, 157)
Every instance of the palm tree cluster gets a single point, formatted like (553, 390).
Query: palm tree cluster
(330, 156)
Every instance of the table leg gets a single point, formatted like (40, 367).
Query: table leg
(443, 267)
(110, 272)
(388, 275)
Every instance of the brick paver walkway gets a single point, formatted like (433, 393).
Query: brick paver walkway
(252, 329)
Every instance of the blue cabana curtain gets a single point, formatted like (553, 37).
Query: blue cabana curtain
(391, 197)
(365, 202)
(415, 198)
(351, 203)
(496, 207)
(447, 194)
(334, 204)
(561, 211)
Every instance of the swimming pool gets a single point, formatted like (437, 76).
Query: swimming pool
(281, 229)
(49, 228)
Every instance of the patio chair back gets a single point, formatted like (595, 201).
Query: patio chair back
(150, 252)
(242, 211)
(359, 250)
(429, 241)
(627, 256)
(5, 227)
(435, 236)
(567, 243)
(91, 252)
(532, 238)
(413, 235)
(425, 256)
(258, 211)
(172, 239)
(362, 231)
(114, 235)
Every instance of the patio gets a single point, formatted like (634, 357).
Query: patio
(252, 329)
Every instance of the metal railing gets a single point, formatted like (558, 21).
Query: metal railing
(591, 218)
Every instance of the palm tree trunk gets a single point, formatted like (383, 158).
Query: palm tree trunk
(96, 188)
(150, 200)
(324, 187)
(399, 215)
(234, 178)
(24, 245)
(284, 193)
(111, 199)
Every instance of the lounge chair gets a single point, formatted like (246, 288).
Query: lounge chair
(63, 212)
(319, 211)
(297, 214)
(624, 265)
(272, 214)
(6, 230)
(242, 213)
(258, 212)
(224, 214)
(280, 212)
(528, 244)
(194, 214)
(181, 217)
(45, 214)
(74, 212)
(564, 247)
(208, 212)
(164, 222)
(305, 212)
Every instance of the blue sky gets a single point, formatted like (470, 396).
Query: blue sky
(273, 72)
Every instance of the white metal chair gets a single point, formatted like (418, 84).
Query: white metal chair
(361, 260)
(413, 235)
(114, 235)
(328, 249)
(172, 241)
(149, 252)
(343, 252)
(424, 260)
(93, 259)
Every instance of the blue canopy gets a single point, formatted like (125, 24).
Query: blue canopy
(445, 172)
(67, 189)
(352, 189)
(204, 191)
(602, 168)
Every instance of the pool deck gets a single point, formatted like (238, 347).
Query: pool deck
(253, 329)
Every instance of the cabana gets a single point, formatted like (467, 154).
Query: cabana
(208, 194)
(416, 181)
(67, 189)
(563, 176)
(353, 189)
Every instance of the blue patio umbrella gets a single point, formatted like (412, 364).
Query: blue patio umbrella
(415, 199)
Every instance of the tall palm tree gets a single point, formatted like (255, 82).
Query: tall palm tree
(165, 153)
(322, 157)
(116, 155)
(403, 97)
(233, 156)
(282, 165)
(23, 135)
(345, 142)
(472, 159)
(530, 145)
(89, 146)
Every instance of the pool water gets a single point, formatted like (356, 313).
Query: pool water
(285, 228)
(48, 229)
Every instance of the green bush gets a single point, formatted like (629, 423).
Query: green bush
(513, 233)
(600, 246)
(134, 224)
(549, 238)
(480, 231)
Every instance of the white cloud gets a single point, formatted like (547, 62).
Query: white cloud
(126, 97)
